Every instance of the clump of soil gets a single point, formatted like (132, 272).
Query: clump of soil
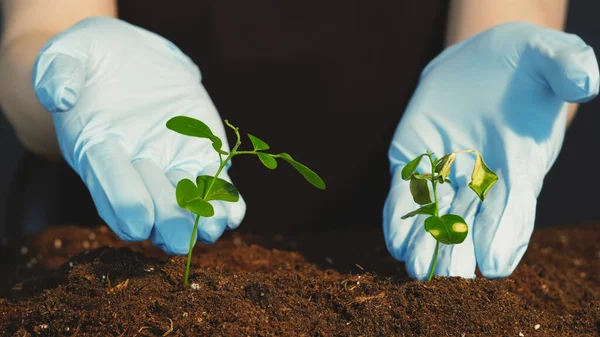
(71, 281)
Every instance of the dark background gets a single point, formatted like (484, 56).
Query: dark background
(568, 193)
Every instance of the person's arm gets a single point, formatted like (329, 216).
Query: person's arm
(28, 25)
(469, 17)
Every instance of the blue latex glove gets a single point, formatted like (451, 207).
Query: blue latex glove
(502, 93)
(111, 87)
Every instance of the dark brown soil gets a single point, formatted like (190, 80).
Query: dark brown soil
(71, 281)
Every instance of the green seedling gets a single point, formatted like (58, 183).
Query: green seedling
(448, 229)
(195, 197)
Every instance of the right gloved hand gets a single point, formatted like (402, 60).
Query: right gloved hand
(111, 87)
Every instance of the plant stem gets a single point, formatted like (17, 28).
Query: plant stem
(437, 214)
(222, 164)
(434, 185)
(189, 258)
(434, 262)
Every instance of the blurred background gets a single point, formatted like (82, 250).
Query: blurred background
(567, 196)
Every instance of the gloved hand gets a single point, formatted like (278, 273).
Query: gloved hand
(502, 93)
(111, 87)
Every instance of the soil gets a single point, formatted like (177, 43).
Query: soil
(72, 281)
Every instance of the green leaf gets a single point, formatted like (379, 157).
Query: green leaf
(448, 229)
(427, 209)
(482, 178)
(220, 190)
(267, 160)
(189, 126)
(258, 143)
(444, 164)
(411, 167)
(189, 197)
(420, 190)
(307, 173)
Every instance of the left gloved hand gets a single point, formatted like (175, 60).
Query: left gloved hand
(111, 88)
(503, 93)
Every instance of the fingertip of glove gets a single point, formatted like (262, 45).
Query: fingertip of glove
(501, 263)
(174, 249)
(582, 72)
(492, 273)
(210, 231)
(134, 232)
(207, 238)
(57, 102)
(418, 274)
(57, 80)
(573, 74)
(236, 214)
(134, 222)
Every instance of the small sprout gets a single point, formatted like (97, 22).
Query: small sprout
(195, 196)
(447, 229)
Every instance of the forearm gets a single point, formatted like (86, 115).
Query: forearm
(32, 124)
(28, 25)
(469, 17)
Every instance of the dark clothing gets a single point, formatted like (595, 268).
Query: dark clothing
(326, 81)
